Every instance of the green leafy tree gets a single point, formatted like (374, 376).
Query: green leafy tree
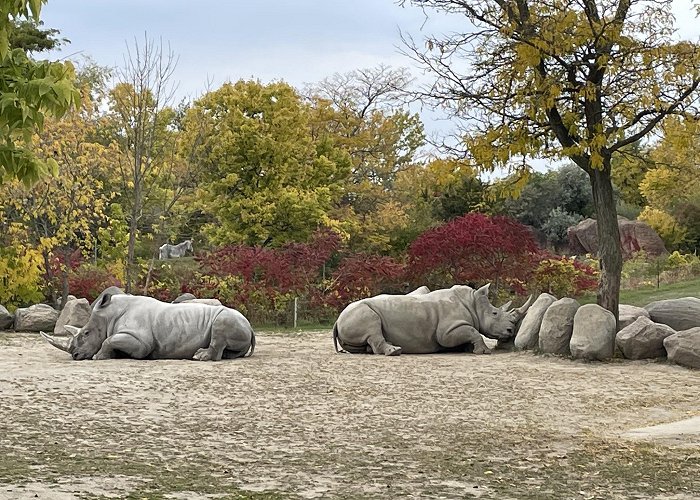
(557, 222)
(265, 178)
(559, 79)
(29, 36)
(29, 91)
(566, 189)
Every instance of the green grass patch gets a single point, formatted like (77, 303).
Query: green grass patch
(642, 296)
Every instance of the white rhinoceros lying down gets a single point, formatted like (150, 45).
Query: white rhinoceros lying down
(145, 328)
(421, 323)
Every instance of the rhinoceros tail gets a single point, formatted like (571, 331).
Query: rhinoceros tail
(252, 345)
(335, 339)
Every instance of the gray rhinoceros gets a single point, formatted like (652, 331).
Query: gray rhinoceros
(421, 323)
(145, 328)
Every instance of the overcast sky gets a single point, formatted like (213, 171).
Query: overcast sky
(299, 41)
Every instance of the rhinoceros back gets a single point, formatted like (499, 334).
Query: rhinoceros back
(173, 331)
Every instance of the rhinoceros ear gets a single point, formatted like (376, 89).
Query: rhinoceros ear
(73, 330)
(484, 290)
(106, 299)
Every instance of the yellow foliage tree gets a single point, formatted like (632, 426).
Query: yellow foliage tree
(665, 225)
(61, 214)
(560, 79)
(21, 275)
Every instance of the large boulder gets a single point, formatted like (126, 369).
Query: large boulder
(629, 314)
(39, 317)
(528, 332)
(557, 326)
(6, 319)
(75, 313)
(679, 314)
(683, 347)
(635, 235)
(593, 337)
(643, 339)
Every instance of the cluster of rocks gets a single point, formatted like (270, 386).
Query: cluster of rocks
(665, 328)
(44, 318)
(76, 312)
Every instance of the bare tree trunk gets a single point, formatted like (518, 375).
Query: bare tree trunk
(130, 256)
(49, 277)
(609, 249)
(148, 275)
(64, 278)
(131, 248)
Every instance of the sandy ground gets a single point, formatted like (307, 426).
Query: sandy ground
(299, 421)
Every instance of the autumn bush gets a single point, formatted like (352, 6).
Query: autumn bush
(562, 276)
(21, 276)
(89, 280)
(363, 275)
(263, 282)
(170, 278)
(474, 248)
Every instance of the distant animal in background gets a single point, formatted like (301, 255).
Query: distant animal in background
(169, 251)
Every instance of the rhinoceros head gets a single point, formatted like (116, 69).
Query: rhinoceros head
(85, 341)
(494, 322)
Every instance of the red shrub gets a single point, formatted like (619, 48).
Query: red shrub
(362, 275)
(88, 281)
(290, 268)
(72, 261)
(473, 248)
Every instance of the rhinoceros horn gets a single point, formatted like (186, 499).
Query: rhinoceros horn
(505, 306)
(63, 343)
(519, 313)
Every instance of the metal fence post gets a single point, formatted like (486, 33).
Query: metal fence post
(296, 303)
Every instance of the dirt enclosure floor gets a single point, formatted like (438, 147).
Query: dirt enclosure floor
(299, 421)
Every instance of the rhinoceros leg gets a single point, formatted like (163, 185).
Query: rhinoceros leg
(230, 332)
(359, 325)
(125, 343)
(379, 345)
(463, 335)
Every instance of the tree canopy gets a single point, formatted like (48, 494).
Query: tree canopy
(266, 179)
(29, 91)
(559, 79)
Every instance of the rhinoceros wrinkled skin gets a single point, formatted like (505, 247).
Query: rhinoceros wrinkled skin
(422, 323)
(145, 328)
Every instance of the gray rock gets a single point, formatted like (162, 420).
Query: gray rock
(211, 302)
(643, 339)
(6, 319)
(184, 297)
(679, 314)
(558, 326)
(629, 314)
(635, 235)
(528, 332)
(683, 348)
(593, 337)
(75, 313)
(39, 317)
